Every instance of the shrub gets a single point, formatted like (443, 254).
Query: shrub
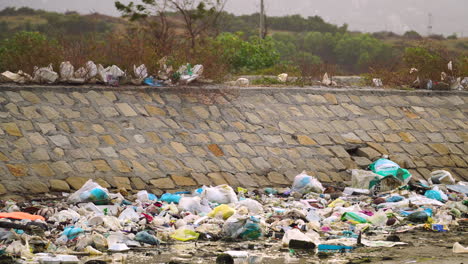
(28, 49)
(254, 54)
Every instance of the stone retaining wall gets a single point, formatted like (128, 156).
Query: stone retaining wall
(54, 138)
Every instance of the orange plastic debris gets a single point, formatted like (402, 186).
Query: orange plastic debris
(21, 216)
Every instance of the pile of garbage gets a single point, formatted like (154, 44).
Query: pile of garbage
(113, 76)
(380, 202)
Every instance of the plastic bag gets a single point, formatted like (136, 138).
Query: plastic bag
(146, 238)
(90, 192)
(222, 194)
(457, 248)
(362, 179)
(66, 71)
(99, 241)
(253, 206)
(20, 77)
(394, 176)
(436, 195)
(304, 183)
(379, 219)
(72, 232)
(283, 77)
(386, 167)
(170, 198)
(129, 215)
(251, 229)
(193, 205)
(91, 70)
(141, 72)
(354, 218)
(233, 227)
(242, 82)
(223, 211)
(441, 177)
(295, 234)
(185, 235)
(146, 197)
(377, 82)
(45, 74)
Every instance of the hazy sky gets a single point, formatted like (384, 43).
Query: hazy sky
(448, 16)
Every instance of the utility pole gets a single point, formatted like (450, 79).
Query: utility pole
(262, 20)
(429, 26)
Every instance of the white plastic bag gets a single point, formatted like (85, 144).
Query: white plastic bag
(84, 194)
(242, 82)
(20, 77)
(283, 77)
(377, 82)
(457, 248)
(441, 177)
(129, 215)
(222, 194)
(193, 205)
(304, 183)
(295, 234)
(66, 71)
(91, 70)
(325, 80)
(379, 219)
(45, 75)
(141, 72)
(361, 179)
(253, 206)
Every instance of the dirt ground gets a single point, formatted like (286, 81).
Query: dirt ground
(423, 247)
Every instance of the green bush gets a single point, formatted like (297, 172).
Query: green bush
(428, 62)
(251, 55)
(25, 50)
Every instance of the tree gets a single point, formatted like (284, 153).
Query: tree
(199, 16)
(412, 35)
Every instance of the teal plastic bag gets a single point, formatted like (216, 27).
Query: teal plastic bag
(252, 229)
(388, 168)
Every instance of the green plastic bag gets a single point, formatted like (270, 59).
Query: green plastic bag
(353, 218)
(185, 235)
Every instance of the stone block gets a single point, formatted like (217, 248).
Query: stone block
(179, 147)
(277, 178)
(59, 186)
(122, 182)
(138, 183)
(35, 186)
(42, 169)
(163, 183)
(126, 110)
(12, 129)
(18, 170)
(183, 181)
(121, 166)
(369, 153)
(76, 182)
(60, 140)
(305, 140)
(101, 165)
(216, 150)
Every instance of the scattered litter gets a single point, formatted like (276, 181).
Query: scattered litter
(283, 77)
(307, 217)
(377, 82)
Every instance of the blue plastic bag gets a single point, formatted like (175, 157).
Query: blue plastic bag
(72, 232)
(394, 199)
(170, 198)
(146, 238)
(433, 194)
